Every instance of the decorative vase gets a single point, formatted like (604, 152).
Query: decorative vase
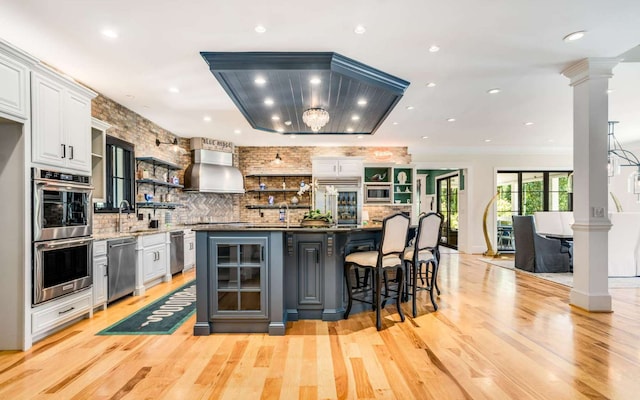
(402, 178)
(294, 200)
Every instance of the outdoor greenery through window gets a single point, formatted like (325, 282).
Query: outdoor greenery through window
(119, 175)
(525, 192)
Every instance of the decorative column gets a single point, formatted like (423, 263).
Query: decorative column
(589, 79)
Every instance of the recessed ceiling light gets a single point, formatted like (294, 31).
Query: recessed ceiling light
(434, 49)
(275, 118)
(260, 81)
(206, 118)
(574, 36)
(396, 123)
(237, 131)
(609, 91)
(349, 129)
(280, 130)
(410, 107)
(528, 123)
(493, 91)
(315, 80)
(487, 140)
(360, 29)
(110, 33)
(362, 102)
(287, 123)
(431, 84)
(425, 137)
(260, 29)
(174, 90)
(451, 120)
(268, 101)
(359, 137)
(355, 117)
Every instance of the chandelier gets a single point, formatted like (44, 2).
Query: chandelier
(618, 157)
(315, 118)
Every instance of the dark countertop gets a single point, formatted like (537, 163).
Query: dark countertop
(279, 227)
(140, 232)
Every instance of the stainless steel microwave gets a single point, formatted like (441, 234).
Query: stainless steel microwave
(378, 193)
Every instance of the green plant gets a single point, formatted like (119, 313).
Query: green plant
(316, 215)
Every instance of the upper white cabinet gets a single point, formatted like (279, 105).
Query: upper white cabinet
(14, 87)
(61, 122)
(98, 162)
(336, 167)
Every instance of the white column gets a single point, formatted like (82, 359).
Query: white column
(589, 79)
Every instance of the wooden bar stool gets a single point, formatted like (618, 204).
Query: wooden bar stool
(425, 251)
(389, 257)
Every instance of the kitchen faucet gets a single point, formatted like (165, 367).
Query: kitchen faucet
(126, 204)
(286, 206)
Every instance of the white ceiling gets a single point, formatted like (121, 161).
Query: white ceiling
(513, 45)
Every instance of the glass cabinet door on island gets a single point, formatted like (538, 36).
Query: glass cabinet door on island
(239, 276)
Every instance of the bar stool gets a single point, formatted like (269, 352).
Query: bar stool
(424, 251)
(392, 245)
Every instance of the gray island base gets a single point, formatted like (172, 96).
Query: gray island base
(252, 278)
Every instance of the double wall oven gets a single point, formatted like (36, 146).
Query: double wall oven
(62, 229)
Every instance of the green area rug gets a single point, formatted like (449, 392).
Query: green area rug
(162, 317)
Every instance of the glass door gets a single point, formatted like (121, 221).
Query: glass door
(347, 213)
(240, 276)
(447, 193)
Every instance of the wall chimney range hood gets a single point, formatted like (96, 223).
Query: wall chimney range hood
(213, 172)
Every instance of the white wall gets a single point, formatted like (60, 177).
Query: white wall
(13, 236)
(480, 185)
(618, 186)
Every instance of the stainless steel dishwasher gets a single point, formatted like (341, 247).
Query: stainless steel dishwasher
(121, 267)
(177, 252)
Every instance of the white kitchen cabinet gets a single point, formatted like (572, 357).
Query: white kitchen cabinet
(55, 314)
(189, 250)
(61, 122)
(100, 277)
(14, 81)
(153, 261)
(98, 162)
(336, 167)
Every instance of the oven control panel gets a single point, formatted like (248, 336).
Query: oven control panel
(60, 176)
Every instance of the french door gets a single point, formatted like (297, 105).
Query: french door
(447, 192)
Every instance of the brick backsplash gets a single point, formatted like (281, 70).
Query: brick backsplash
(211, 207)
(194, 207)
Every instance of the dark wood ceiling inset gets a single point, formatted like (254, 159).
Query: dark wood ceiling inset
(343, 82)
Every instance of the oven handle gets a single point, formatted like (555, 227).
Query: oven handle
(60, 186)
(55, 244)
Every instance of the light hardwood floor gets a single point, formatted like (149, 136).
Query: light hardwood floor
(498, 334)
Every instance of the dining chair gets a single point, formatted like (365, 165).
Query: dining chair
(424, 252)
(389, 257)
(536, 253)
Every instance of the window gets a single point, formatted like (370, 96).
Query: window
(119, 156)
(524, 193)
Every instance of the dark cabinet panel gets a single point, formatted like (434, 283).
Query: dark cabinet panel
(309, 274)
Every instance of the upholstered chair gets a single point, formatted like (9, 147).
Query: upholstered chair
(424, 252)
(389, 257)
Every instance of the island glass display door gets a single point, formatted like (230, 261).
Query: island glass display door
(240, 277)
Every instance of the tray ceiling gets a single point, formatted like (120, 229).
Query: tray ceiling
(357, 97)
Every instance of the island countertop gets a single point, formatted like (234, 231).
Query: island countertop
(246, 226)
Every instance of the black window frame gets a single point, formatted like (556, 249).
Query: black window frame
(112, 142)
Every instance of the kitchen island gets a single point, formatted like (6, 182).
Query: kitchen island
(255, 278)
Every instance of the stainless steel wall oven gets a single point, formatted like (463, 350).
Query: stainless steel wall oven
(61, 235)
